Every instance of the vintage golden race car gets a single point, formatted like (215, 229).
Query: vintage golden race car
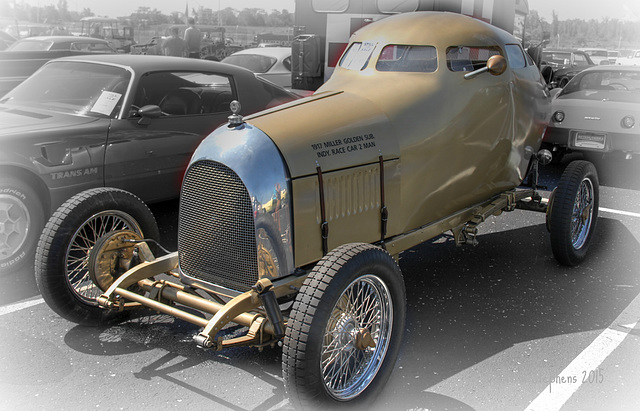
(291, 220)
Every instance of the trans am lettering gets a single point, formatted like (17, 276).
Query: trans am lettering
(74, 173)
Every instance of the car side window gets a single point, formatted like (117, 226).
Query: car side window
(515, 56)
(412, 59)
(185, 93)
(462, 58)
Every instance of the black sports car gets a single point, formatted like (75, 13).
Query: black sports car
(559, 66)
(124, 121)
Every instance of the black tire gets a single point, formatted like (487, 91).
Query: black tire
(21, 222)
(63, 250)
(321, 314)
(574, 212)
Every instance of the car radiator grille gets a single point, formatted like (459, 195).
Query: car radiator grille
(216, 231)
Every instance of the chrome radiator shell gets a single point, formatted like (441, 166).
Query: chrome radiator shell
(235, 204)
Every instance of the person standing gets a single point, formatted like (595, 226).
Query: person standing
(193, 36)
(174, 45)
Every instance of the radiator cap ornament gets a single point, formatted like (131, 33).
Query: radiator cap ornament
(235, 119)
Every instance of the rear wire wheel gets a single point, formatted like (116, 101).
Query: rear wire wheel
(63, 252)
(345, 328)
(574, 212)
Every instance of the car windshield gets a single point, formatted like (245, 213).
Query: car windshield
(87, 89)
(30, 45)
(557, 57)
(617, 85)
(253, 62)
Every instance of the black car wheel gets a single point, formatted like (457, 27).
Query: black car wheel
(574, 212)
(345, 328)
(21, 221)
(64, 248)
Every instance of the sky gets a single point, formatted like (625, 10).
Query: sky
(565, 9)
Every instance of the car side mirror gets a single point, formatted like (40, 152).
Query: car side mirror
(496, 65)
(147, 113)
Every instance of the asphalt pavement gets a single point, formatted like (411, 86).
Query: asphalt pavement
(498, 326)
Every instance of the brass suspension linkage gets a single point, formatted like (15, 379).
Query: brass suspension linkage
(527, 199)
(256, 309)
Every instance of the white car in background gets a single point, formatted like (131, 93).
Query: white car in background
(632, 59)
(270, 63)
(598, 56)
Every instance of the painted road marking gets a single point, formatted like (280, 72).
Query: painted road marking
(627, 213)
(606, 210)
(8, 309)
(570, 379)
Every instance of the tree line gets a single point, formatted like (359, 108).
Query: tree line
(605, 32)
(146, 16)
(611, 34)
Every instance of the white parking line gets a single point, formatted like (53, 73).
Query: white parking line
(570, 379)
(607, 210)
(8, 309)
(612, 211)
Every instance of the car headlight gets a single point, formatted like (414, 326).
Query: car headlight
(558, 116)
(628, 121)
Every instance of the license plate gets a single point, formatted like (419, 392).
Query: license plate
(590, 140)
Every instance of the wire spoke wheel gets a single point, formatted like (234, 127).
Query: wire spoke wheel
(582, 214)
(364, 311)
(344, 331)
(573, 212)
(82, 242)
(78, 228)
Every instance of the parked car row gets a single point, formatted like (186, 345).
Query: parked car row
(597, 113)
(558, 66)
(596, 104)
(23, 57)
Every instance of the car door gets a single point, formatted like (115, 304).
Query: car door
(147, 155)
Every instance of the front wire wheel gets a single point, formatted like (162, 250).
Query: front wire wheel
(63, 252)
(574, 212)
(357, 337)
(345, 328)
(83, 241)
